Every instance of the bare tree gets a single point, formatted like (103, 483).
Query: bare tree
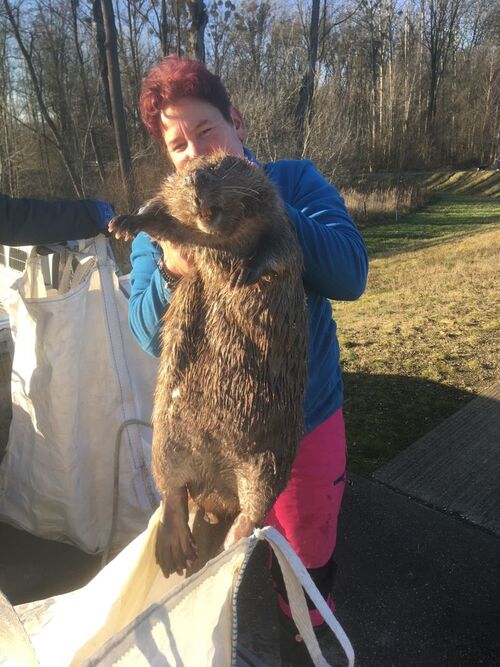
(219, 32)
(383, 83)
(439, 35)
(57, 135)
(85, 88)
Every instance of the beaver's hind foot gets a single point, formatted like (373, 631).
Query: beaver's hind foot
(175, 547)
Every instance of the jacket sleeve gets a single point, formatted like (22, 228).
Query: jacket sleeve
(36, 221)
(335, 257)
(150, 295)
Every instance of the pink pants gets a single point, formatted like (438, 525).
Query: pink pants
(306, 512)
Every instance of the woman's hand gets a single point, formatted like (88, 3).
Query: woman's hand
(174, 259)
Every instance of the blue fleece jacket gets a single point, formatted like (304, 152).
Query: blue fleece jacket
(335, 267)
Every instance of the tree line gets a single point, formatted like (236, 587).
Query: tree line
(355, 85)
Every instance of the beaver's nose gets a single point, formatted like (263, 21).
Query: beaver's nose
(200, 179)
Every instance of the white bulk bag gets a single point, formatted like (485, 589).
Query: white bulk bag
(78, 374)
(129, 614)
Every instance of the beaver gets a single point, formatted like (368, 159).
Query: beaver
(228, 410)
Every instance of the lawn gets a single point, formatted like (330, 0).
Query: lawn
(423, 340)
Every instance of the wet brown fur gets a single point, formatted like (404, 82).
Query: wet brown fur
(228, 412)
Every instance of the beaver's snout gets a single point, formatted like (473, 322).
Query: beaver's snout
(209, 218)
(197, 179)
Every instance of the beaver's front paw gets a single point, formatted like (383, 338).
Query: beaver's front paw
(175, 547)
(125, 226)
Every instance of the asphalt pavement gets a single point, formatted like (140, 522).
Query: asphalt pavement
(416, 586)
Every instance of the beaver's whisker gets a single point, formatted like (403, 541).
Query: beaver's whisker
(243, 191)
(233, 166)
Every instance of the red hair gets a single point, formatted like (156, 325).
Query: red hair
(174, 78)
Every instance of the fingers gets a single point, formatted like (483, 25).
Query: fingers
(175, 258)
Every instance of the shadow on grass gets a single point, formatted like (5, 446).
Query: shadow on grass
(386, 413)
(482, 182)
(450, 216)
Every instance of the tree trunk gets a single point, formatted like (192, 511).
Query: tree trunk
(304, 108)
(101, 51)
(178, 26)
(42, 142)
(117, 100)
(420, 56)
(485, 150)
(199, 20)
(134, 51)
(380, 83)
(373, 90)
(164, 41)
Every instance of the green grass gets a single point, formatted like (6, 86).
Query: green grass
(423, 339)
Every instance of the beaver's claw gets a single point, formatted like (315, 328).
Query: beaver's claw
(125, 226)
(247, 273)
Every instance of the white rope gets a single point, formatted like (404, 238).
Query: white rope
(297, 578)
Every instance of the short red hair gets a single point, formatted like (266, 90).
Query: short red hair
(174, 78)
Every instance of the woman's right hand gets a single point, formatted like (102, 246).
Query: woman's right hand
(174, 259)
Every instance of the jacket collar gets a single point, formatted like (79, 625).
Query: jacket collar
(250, 156)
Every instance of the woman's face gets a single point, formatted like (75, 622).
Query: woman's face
(193, 128)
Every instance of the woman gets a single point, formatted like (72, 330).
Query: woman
(187, 109)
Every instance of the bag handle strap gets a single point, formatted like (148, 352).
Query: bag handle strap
(32, 277)
(297, 578)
